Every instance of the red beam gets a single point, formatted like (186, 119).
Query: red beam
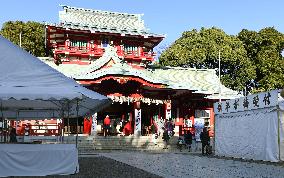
(121, 80)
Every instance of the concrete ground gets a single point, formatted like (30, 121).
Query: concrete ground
(169, 164)
(184, 164)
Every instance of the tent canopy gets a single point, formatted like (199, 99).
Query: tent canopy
(251, 127)
(31, 89)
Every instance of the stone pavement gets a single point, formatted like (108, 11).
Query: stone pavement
(183, 164)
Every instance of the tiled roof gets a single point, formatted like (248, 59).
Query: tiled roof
(203, 81)
(103, 21)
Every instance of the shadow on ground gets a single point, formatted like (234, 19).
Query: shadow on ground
(103, 167)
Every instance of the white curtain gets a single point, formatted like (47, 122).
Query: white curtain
(281, 117)
(38, 159)
(250, 135)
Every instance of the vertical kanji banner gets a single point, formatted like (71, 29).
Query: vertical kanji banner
(137, 130)
(94, 124)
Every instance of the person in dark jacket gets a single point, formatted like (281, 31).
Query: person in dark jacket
(166, 138)
(205, 139)
(13, 135)
(188, 139)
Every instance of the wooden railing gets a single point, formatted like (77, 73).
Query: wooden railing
(99, 51)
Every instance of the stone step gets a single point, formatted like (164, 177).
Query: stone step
(144, 143)
(91, 151)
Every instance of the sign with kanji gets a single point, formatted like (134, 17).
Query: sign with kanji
(137, 129)
(250, 102)
(94, 124)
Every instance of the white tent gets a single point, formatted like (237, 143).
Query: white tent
(250, 127)
(31, 89)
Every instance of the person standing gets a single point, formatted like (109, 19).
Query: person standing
(180, 142)
(166, 138)
(13, 135)
(154, 133)
(170, 127)
(188, 139)
(106, 125)
(205, 139)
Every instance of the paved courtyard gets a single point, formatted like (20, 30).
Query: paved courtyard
(195, 165)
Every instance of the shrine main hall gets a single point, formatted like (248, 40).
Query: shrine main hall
(113, 54)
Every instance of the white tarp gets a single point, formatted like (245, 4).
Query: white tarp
(30, 88)
(251, 127)
(249, 134)
(281, 120)
(38, 159)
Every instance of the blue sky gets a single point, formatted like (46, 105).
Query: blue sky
(163, 16)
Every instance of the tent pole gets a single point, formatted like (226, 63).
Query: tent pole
(2, 120)
(214, 136)
(77, 115)
(68, 123)
(278, 117)
(63, 124)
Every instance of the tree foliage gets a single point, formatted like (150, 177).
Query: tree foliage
(200, 49)
(264, 49)
(32, 35)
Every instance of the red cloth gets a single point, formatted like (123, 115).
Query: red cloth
(107, 121)
(127, 128)
(87, 125)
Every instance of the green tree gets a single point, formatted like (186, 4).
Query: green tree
(200, 49)
(264, 50)
(32, 35)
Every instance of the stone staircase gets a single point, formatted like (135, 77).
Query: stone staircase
(93, 144)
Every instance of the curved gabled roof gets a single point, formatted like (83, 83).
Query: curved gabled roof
(103, 21)
(203, 81)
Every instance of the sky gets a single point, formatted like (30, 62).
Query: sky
(163, 16)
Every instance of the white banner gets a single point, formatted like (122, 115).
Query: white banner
(168, 114)
(250, 102)
(249, 134)
(94, 124)
(137, 130)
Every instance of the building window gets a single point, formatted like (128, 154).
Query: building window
(130, 48)
(77, 43)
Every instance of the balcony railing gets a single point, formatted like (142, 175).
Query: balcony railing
(136, 54)
(60, 49)
(78, 50)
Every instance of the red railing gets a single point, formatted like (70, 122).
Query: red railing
(136, 54)
(75, 50)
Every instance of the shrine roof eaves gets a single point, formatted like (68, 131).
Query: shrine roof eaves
(103, 21)
(203, 81)
(95, 29)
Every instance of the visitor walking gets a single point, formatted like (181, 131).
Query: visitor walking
(154, 133)
(180, 143)
(170, 127)
(106, 125)
(166, 138)
(205, 139)
(13, 135)
(188, 140)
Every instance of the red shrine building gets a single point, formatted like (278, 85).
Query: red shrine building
(112, 53)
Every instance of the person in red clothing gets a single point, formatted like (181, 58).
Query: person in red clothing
(106, 125)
